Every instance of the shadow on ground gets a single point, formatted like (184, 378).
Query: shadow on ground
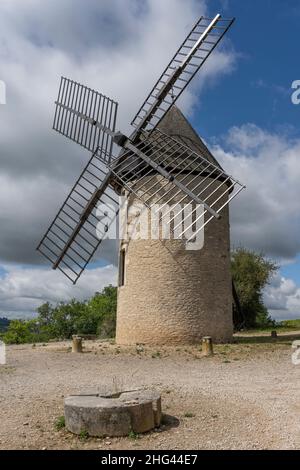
(169, 422)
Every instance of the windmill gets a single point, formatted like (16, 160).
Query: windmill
(159, 164)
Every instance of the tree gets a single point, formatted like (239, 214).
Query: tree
(67, 319)
(103, 307)
(45, 312)
(25, 331)
(251, 272)
(95, 316)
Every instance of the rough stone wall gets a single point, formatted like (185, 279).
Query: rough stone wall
(175, 296)
(172, 295)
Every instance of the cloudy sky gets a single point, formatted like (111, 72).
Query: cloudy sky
(240, 103)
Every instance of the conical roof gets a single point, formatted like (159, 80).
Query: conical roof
(176, 125)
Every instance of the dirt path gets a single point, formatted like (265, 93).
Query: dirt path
(245, 397)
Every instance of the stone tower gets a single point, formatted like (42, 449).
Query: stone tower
(168, 294)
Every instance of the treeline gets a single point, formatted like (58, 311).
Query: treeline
(96, 316)
(251, 272)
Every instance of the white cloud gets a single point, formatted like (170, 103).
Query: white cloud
(118, 47)
(265, 217)
(22, 290)
(25, 216)
(282, 298)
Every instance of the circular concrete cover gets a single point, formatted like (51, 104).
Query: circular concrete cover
(113, 414)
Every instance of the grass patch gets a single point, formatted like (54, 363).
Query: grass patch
(281, 327)
(7, 369)
(289, 325)
(155, 355)
(189, 415)
(266, 340)
(84, 435)
(133, 435)
(60, 423)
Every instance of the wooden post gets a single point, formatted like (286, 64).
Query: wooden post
(274, 334)
(207, 346)
(76, 344)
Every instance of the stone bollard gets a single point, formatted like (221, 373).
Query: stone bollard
(274, 334)
(76, 344)
(207, 346)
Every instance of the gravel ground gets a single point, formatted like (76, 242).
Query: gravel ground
(245, 397)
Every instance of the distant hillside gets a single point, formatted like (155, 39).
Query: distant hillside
(4, 322)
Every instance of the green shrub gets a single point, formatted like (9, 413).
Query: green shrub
(25, 331)
(251, 272)
(95, 316)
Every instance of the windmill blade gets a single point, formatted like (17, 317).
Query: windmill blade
(161, 170)
(190, 57)
(86, 117)
(77, 231)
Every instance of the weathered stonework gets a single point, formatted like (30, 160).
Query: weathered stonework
(172, 295)
(119, 414)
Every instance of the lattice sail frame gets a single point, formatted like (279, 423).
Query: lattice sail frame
(86, 117)
(162, 170)
(190, 57)
(89, 118)
(77, 230)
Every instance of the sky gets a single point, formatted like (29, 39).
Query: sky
(240, 104)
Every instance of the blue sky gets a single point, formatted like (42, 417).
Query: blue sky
(240, 104)
(266, 35)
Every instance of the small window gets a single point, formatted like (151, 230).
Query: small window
(122, 268)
